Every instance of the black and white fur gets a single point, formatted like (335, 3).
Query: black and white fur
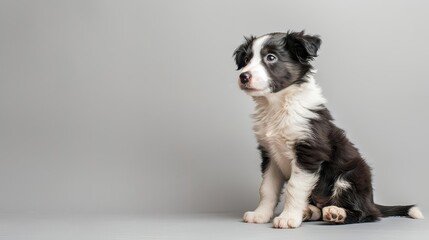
(326, 176)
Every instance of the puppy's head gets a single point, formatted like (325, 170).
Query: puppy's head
(273, 62)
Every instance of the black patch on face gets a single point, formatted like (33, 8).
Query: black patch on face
(294, 50)
(285, 71)
(244, 52)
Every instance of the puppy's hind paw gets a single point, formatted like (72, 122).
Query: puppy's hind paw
(333, 214)
(311, 213)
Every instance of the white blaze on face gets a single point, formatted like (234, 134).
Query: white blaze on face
(259, 82)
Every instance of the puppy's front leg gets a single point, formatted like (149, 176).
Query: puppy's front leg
(269, 192)
(298, 190)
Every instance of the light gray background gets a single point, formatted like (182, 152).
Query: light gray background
(133, 106)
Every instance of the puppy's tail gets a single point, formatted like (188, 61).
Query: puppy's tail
(407, 211)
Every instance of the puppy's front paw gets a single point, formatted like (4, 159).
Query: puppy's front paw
(287, 221)
(256, 217)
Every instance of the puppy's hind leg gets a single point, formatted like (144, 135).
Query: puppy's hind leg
(311, 213)
(339, 215)
(350, 206)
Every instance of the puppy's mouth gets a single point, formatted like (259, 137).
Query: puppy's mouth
(250, 89)
(244, 88)
(254, 91)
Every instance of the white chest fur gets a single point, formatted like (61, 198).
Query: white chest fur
(282, 119)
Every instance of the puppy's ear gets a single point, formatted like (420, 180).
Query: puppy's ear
(301, 46)
(241, 52)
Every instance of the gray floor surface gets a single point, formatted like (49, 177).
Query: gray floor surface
(195, 226)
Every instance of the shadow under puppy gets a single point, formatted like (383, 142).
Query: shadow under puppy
(299, 143)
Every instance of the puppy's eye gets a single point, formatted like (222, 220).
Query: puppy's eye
(246, 60)
(271, 58)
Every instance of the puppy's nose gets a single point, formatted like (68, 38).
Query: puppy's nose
(245, 77)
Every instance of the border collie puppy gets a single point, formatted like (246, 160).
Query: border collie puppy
(299, 143)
